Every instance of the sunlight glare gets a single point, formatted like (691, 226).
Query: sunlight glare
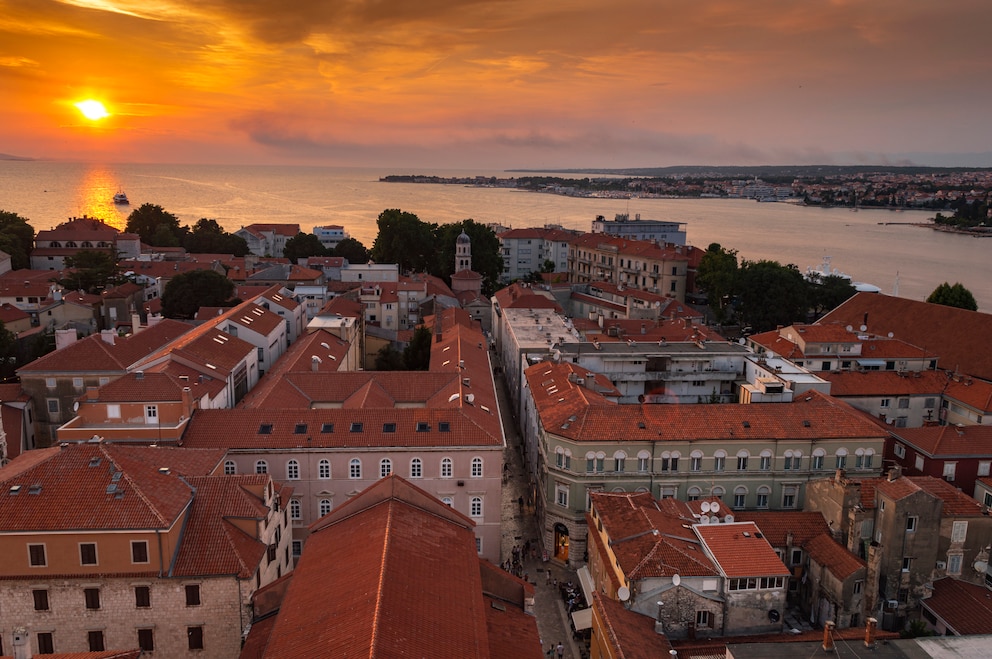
(92, 110)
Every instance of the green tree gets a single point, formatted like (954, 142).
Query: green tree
(188, 291)
(717, 275)
(829, 293)
(487, 259)
(208, 237)
(352, 250)
(156, 226)
(91, 270)
(771, 294)
(953, 296)
(303, 245)
(405, 240)
(548, 266)
(16, 239)
(389, 359)
(417, 354)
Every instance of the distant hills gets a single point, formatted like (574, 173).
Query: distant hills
(759, 171)
(7, 156)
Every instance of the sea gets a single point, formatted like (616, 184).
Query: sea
(879, 247)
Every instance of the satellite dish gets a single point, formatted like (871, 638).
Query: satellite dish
(981, 566)
(714, 520)
(850, 328)
(623, 593)
(705, 506)
(890, 335)
(75, 406)
(741, 340)
(704, 520)
(863, 328)
(728, 519)
(676, 579)
(715, 507)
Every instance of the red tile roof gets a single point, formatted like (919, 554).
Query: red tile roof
(140, 387)
(881, 383)
(964, 607)
(75, 487)
(956, 502)
(830, 554)
(959, 336)
(521, 296)
(948, 441)
(394, 572)
(776, 525)
(630, 634)
(973, 393)
(740, 550)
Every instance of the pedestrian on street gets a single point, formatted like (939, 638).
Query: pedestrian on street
(549, 578)
(560, 650)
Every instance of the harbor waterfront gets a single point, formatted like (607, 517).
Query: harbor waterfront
(880, 247)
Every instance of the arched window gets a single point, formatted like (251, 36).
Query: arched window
(740, 496)
(696, 461)
(816, 461)
(763, 492)
(475, 507)
(416, 468)
(324, 469)
(230, 467)
(445, 467)
(476, 467)
(840, 458)
(446, 501)
(324, 507)
(719, 460)
(643, 461)
(295, 510)
(718, 491)
(385, 467)
(620, 462)
(694, 493)
(766, 460)
(355, 468)
(261, 467)
(618, 489)
(742, 457)
(293, 470)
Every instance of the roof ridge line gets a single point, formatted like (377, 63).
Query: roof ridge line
(382, 575)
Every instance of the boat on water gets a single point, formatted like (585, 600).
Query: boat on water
(817, 275)
(121, 198)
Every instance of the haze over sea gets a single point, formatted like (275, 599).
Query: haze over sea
(859, 243)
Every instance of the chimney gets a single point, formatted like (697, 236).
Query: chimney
(895, 472)
(135, 323)
(91, 393)
(870, 632)
(828, 636)
(64, 337)
(109, 336)
(22, 644)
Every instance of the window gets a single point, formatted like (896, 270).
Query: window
(983, 467)
(146, 640)
(230, 468)
(742, 462)
(142, 597)
(36, 555)
(868, 459)
(702, 618)
(949, 469)
(95, 640)
(911, 522)
(416, 468)
(719, 461)
(87, 553)
(740, 496)
(293, 470)
(46, 643)
(919, 462)
(113, 411)
(295, 510)
(297, 548)
(643, 463)
(151, 412)
(192, 594)
(841, 461)
(907, 563)
(447, 501)
(797, 556)
(899, 450)
(903, 403)
(261, 467)
(355, 468)
(476, 467)
(53, 406)
(766, 463)
(693, 494)
(40, 599)
(475, 507)
(324, 469)
(324, 507)
(139, 551)
(51, 383)
(696, 463)
(385, 467)
(92, 597)
(620, 462)
(561, 495)
(445, 467)
(884, 402)
(954, 564)
(194, 637)
(959, 531)
(858, 585)
(763, 492)
(789, 496)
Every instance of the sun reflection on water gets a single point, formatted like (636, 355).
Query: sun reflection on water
(95, 197)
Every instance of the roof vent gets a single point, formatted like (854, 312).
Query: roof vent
(14, 490)
(164, 470)
(95, 461)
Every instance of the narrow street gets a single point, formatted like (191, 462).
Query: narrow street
(520, 528)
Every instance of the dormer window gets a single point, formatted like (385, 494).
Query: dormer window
(265, 429)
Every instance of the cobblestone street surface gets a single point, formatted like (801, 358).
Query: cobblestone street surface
(519, 528)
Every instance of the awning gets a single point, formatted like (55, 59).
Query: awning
(585, 580)
(871, 362)
(582, 619)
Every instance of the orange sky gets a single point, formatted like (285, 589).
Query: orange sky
(499, 83)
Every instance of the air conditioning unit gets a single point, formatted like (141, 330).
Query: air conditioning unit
(891, 605)
(941, 565)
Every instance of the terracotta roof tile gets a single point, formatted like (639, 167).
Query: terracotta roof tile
(776, 525)
(740, 550)
(971, 392)
(830, 554)
(965, 607)
(880, 383)
(631, 635)
(948, 441)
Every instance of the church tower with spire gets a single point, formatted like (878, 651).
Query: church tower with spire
(463, 252)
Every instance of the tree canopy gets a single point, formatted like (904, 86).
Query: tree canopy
(156, 226)
(188, 291)
(772, 294)
(16, 239)
(405, 240)
(717, 274)
(303, 245)
(352, 250)
(91, 270)
(208, 237)
(953, 296)
(417, 354)
(486, 257)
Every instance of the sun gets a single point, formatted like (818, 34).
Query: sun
(92, 110)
